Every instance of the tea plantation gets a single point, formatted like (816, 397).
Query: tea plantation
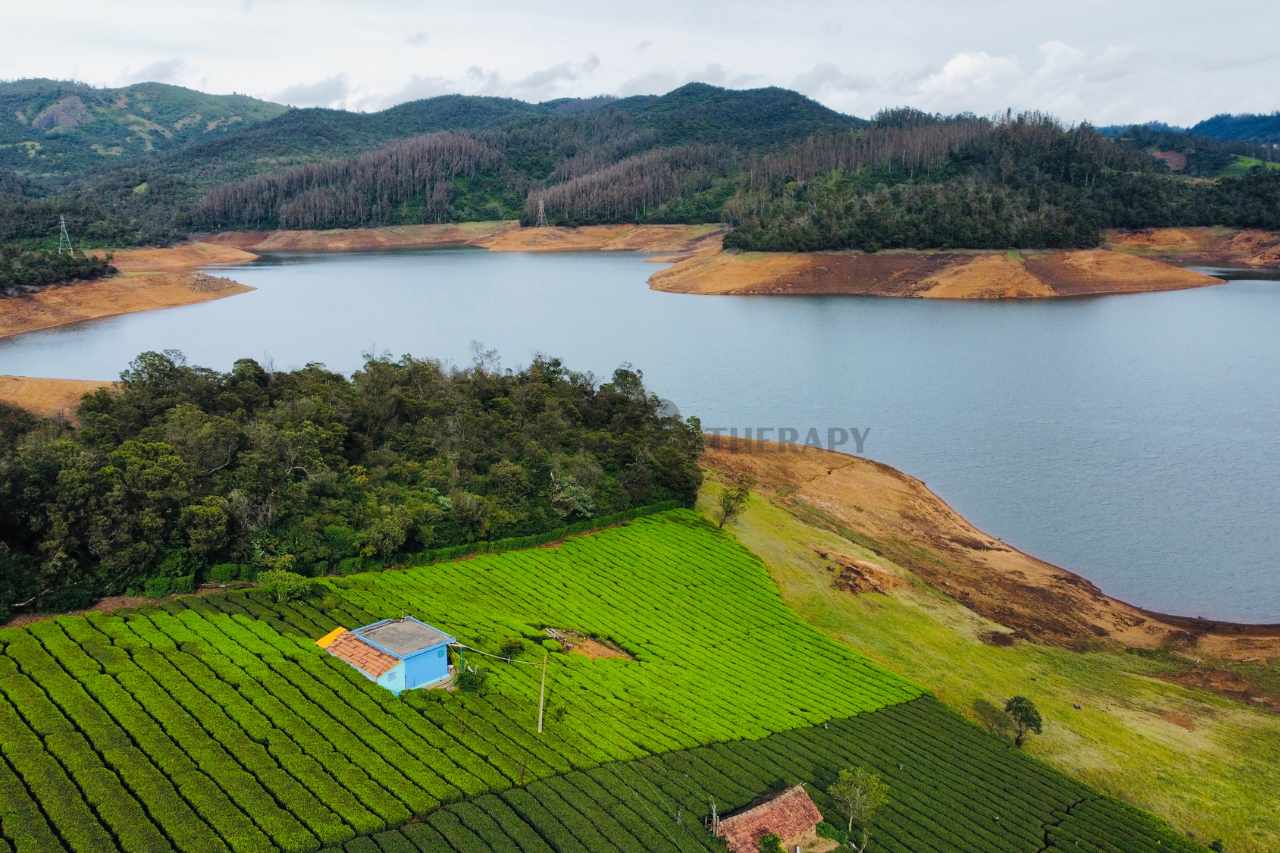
(216, 723)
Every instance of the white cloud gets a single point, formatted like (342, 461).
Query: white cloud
(418, 39)
(826, 78)
(163, 71)
(968, 79)
(329, 92)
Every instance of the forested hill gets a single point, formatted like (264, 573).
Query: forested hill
(51, 130)
(787, 172)
(1245, 128)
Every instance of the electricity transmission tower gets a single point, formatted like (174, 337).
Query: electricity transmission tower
(542, 214)
(64, 239)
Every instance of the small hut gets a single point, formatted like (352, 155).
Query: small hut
(790, 815)
(398, 654)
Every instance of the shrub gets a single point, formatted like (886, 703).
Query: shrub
(229, 572)
(472, 679)
(284, 586)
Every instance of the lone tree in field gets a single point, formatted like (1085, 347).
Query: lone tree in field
(860, 793)
(734, 498)
(1022, 711)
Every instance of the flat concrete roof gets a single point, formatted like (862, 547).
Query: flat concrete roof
(404, 637)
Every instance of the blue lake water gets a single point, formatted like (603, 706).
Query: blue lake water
(1132, 439)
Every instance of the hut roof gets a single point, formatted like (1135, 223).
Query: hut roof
(789, 815)
(402, 638)
(364, 657)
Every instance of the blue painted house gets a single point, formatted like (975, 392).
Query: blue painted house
(399, 654)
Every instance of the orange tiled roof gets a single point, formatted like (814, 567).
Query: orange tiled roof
(361, 655)
(789, 815)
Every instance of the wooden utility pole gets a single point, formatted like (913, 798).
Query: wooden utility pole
(542, 691)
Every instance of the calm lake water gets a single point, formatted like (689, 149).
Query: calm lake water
(1131, 439)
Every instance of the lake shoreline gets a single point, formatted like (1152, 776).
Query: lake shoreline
(1004, 582)
(156, 278)
(903, 520)
(148, 279)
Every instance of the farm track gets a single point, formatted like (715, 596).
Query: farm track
(214, 723)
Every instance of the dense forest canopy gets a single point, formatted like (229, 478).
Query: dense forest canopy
(24, 270)
(1018, 181)
(183, 473)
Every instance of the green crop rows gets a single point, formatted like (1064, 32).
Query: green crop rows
(216, 724)
(954, 788)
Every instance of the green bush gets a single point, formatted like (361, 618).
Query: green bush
(283, 586)
(230, 572)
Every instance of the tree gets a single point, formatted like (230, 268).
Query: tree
(860, 793)
(734, 498)
(1022, 711)
(770, 843)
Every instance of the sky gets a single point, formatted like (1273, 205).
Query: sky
(1105, 62)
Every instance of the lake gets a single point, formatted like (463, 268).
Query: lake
(1130, 438)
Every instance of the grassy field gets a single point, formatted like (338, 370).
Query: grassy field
(215, 723)
(1207, 764)
(1242, 165)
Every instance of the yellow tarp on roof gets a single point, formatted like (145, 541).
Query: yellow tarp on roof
(327, 640)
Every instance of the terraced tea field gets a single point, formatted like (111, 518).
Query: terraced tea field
(215, 723)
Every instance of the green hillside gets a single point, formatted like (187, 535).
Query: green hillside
(55, 129)
(216, 723)
(1246, 127)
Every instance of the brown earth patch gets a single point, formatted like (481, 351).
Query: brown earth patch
(596, 650)
(1175, 160)
(50, 398)
(1098, 271)
(896, 516)
(986, 277)
(1225, 247)
(1227, 683)
(363, 239)
(858, 576)
(106, 605)
(588, 646)
(110, 297)
(1179, 719)
(680, 240)
(931, 275)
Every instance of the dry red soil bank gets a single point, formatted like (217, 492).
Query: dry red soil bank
(907, 523)
(50, 398)
(1203, 246)
(148, 279)
(928, 275)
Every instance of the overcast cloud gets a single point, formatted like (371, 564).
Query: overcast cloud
(1101, 61)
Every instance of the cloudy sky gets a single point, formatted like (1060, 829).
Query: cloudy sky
(1114, 61)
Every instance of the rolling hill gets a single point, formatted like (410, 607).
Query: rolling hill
(55, 129)
(1246, 127)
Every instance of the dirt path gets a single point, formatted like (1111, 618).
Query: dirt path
(899, 517)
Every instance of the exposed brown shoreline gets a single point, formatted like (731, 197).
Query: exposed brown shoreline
(1131, 263)
(900, 517)
(148, 279)
(926, 274)
(1211, 247)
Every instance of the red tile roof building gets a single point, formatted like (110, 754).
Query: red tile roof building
(364, 657)
(791, 816)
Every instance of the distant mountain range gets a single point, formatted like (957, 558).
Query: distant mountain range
(53, 130)
(1224, 127)
(153, 163)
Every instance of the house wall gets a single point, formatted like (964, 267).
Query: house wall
(426, 667)
(393, 679)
